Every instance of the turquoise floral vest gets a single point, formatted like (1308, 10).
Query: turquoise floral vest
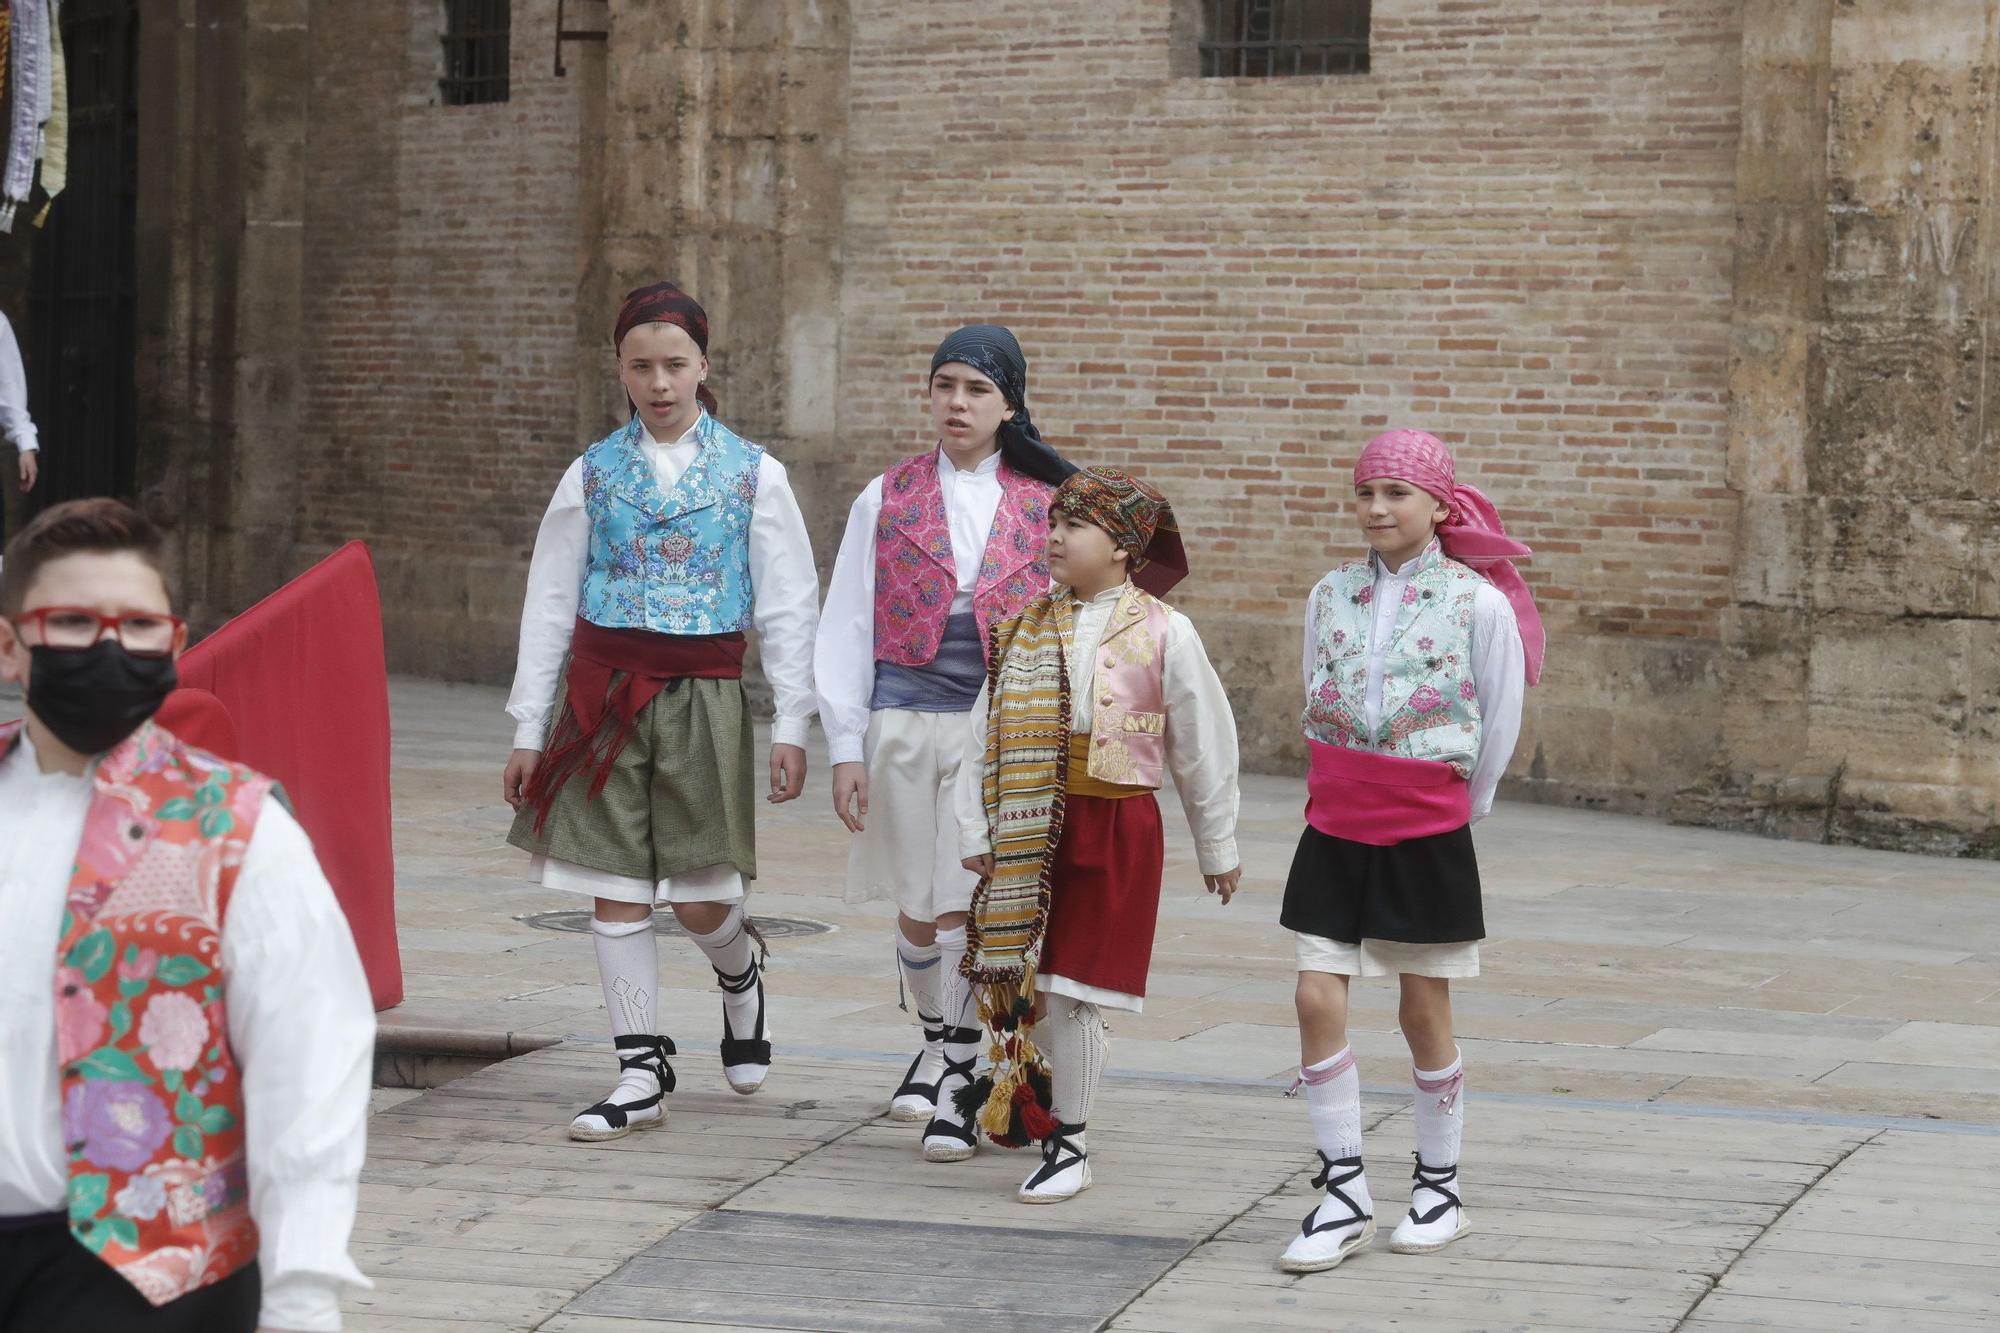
(1430, 708)
(674, 562)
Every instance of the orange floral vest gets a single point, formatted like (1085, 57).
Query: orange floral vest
(152, 1107)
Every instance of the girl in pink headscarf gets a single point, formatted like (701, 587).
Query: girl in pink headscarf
(1416, 660)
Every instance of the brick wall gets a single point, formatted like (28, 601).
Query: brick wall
(442, 266)
(1516, 233)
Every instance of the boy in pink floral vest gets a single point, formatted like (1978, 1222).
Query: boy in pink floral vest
(189, 1032)
(938, 550)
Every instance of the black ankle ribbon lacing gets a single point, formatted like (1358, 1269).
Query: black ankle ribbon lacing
(1434, 1179)
(1058, 1154)
(1349, 1170)
(910, 1087)
(939, 1127)
(650, 1054)
(756, 1048)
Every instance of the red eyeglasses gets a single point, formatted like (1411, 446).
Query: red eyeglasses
(73, 628)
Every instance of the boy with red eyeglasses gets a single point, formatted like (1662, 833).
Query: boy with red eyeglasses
(189, 1034)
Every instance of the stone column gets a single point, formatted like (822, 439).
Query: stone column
(725, 127)
(222, 97)
(1863, 672)
(724, 131)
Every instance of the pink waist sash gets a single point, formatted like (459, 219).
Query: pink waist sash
(1383, 799)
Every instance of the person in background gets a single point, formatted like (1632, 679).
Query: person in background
(15, 423)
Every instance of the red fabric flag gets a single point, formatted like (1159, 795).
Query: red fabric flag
(296, 688)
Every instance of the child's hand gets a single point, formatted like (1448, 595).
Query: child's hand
(981, 865)
(1224, 884)
(788, 773)
(520, 769)
(850, 794)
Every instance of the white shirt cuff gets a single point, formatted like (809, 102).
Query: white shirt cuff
(791, 731)
(1218, 857)
(31, 447)
(974, 840)
(304, 1233)
(302, 1302)
(846, 749)
(528, 735)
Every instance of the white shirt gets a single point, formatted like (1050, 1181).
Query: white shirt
(844, 656)
(1201, 736)
(15, 422)
(1499, 672)
(301, 1024)
(784, 592)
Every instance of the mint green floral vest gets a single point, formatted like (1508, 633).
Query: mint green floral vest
(1430, 708)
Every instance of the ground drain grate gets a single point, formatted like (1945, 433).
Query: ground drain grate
(771, 927)
(866, 1275)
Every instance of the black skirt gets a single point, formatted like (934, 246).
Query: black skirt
(1424, 891)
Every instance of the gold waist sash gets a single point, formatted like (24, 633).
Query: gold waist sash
(1080, 783)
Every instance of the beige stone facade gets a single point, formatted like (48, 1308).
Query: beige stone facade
(1697, 290)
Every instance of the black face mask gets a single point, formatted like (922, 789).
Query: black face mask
(92, 698)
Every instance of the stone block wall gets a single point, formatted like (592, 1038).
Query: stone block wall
(1516, 233)
(444, 250)
(1697, 289)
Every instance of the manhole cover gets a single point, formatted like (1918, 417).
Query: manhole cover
(772, 927)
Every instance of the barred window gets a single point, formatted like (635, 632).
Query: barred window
(1268, 39)
(475, 51)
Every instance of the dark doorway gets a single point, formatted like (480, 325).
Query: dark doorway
(81, 385)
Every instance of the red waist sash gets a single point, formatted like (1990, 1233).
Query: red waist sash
(1383, 799)
(613, 675)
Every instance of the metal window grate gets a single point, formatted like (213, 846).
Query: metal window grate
(475, 51)
(1270, 39)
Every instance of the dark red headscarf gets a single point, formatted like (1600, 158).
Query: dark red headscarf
(664, 303)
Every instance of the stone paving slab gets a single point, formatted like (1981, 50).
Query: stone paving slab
(1716, 1083)
(478, 1213)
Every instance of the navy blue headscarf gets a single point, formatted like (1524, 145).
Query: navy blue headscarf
(994, 353)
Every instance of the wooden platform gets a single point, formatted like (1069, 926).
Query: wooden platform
(798, 1209)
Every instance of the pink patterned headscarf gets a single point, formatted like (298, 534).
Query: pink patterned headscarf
(1471, 534)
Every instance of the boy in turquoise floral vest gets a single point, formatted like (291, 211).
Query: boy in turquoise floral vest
(632, 772)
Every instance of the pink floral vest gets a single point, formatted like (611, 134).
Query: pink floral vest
(152, 1107)
(916, 577)
(1128, 723)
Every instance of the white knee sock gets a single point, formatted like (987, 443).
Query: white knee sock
(1333, 1100)
(954, 991)
(1072, 1037)
(730, 952)
(628, 963)
(1440, 1112)
(920, 967)
(955, 1004)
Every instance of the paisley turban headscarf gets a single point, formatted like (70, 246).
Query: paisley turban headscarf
(1138, 518)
